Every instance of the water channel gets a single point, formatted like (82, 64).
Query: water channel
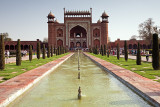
(60, 88)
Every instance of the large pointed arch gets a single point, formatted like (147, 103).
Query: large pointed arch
(78, 32)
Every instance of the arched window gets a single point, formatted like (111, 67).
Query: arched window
(96, 32)
(25, 47)
(59, 32)
(140, 46)
(78, 44)
(149, 46)
(11, 47)
(130, 46)
(84, 45)
(78, 35)
(21, 47)
(59, 42)
(7, 47)
(134, 46)
(144, 46)
(72, 45)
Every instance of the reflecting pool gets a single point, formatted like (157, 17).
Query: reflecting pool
(60, 88)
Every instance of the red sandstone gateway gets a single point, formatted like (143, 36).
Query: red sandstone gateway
(77, 30)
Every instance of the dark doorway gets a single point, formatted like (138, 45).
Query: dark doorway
(78, 44)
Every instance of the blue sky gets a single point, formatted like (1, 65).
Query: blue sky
(26, 19)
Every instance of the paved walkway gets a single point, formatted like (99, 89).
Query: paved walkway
(11, 89)
(143, 58)
(13, 59)
(146, 88)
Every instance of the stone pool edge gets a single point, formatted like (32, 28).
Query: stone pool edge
(16, 93)
(128, 83)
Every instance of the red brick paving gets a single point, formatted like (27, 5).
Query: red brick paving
(17, 85)
(146, 88)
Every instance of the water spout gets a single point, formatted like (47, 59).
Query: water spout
(78, 61)
(79, 75)
(79, 93)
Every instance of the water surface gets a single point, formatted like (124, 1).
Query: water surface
(60, 88)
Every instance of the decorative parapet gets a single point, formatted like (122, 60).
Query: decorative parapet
(78, 13)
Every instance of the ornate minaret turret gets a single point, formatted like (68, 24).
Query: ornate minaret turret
(104, 29)
(104, 17)
(51, 30)
(50, 17)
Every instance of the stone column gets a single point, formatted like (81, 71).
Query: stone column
(74, 35)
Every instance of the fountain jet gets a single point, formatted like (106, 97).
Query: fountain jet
(78, 75)
(79, 93)
(78, 61)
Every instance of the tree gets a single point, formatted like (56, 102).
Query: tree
(30, 53)
(44, 51)
(90, 50)
(108, 53)
(138, 61)
(125, 50)
(54, 50)
(146, 30)
(66, 50)
(96, 50)
(105, 50)
(51, 51)
(155, 52)
(38, 50)
(45, 40)
(102, 50)
(18, 53)
(58, 50)
(2, 56)
(93, 50)
(62, 50)
(48, 54)
(6, 36)
(118, 51)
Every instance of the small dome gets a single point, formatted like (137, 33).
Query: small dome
(99, 21)
(104, 14)
(51, 15)
(56, 21)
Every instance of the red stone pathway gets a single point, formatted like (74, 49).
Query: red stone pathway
(146, 88)
(14, 87)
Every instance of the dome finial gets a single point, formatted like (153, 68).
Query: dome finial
(104, 14)
(51, 15)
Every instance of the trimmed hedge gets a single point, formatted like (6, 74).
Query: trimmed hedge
(155, 52)
(18, 53)
(138, 60)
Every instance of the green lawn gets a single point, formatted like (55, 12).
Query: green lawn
(145, 69)
(11, 70)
